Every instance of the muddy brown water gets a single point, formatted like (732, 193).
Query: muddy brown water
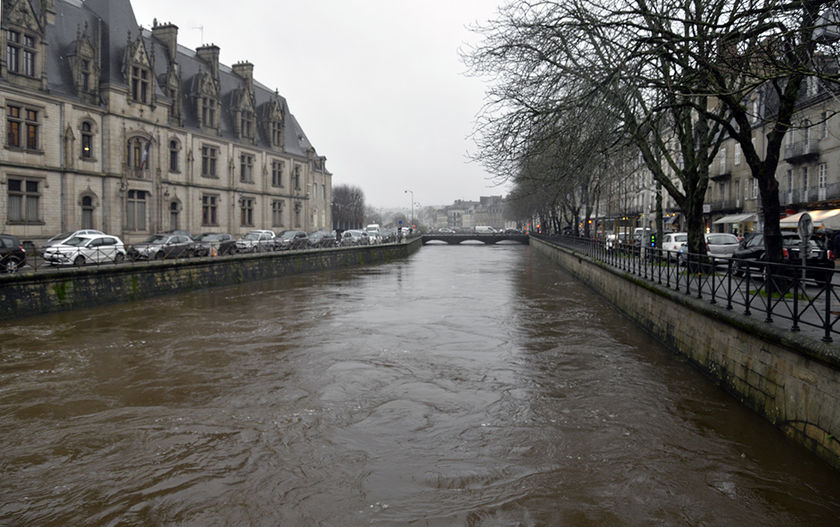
(466, 385)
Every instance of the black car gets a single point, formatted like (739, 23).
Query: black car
(751, 254)
(321, 239)
(12, 253)
(292, 240)
(208, 243)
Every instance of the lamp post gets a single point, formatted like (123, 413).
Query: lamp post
(412, 205)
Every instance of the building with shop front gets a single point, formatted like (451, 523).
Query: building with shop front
(808, 172)
(809, 167)
(118, 128)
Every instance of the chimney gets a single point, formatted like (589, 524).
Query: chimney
(210, 55)
(245, 70)
(168, 34)
(49, 12)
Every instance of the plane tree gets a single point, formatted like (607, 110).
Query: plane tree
(552, 57)
(679, 77)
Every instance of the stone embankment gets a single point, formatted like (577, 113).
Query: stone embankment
(25, 294)
(791, 379)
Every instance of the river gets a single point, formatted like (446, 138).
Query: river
(467, 385)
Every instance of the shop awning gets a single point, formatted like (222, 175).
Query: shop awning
(822, 219)
(737, 218)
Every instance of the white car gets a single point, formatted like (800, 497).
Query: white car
(672, 241)
(58, 239)
(88, 248)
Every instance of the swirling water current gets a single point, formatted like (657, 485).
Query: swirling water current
(468, 385)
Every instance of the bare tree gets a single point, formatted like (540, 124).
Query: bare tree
(348, 207)
(677, 75)
(554, 57)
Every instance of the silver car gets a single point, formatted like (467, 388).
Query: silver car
(90, 248)
(721, 244)
(256, 241)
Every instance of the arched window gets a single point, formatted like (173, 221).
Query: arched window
(87, 140)
(173, 155)
(87, 212)
(138, 157)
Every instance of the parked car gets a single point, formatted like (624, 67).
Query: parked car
(221, 243)
(373, 233)
(160, 246)
(256, 241)
(721, 245)
(751, 254)
(672, 241)
(446, 230)
(64, 236)
(389, 235)
(12, 253)
(353, 237)
(614, 241)
(321, 239)
(85, 249)
(292, 240)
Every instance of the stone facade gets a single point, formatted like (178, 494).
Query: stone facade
(114, 127)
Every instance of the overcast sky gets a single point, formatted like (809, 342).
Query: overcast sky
(377, 85)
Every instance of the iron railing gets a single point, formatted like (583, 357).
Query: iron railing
(33, 260)
(801, 298)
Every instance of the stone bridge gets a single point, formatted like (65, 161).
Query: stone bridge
(487, 239)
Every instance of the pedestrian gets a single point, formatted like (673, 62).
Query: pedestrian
(835, 244)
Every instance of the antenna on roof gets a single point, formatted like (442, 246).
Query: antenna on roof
(201, 28)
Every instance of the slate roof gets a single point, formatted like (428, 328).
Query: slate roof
(114, 23)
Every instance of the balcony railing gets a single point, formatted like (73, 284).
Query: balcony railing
(802, 151)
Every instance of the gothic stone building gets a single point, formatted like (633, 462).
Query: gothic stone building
(113, 127)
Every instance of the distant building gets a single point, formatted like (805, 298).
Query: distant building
(489, 210)
(118, 128)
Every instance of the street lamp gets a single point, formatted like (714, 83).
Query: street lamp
(412, 204)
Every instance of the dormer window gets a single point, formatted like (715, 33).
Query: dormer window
(208, 112)
(84, 76)
(140, 84)
(21, 52)
(276, 133)
(246, 124)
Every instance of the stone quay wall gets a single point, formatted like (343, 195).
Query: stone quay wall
(791, 379)
(25, 294)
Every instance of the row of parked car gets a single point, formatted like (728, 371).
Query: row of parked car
(747, 253)
(89, 246)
